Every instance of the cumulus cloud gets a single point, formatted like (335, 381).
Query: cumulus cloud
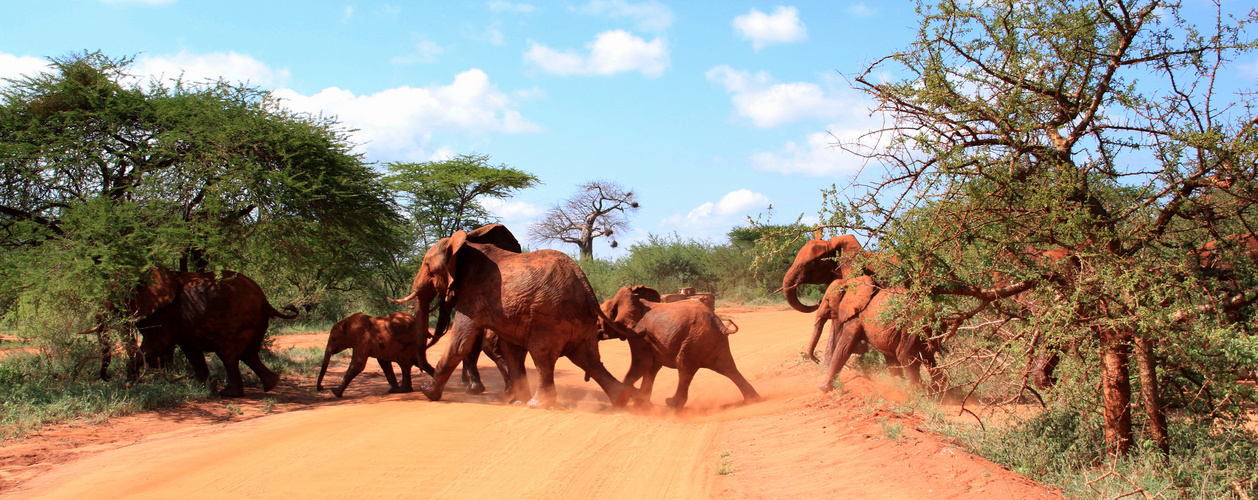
(512, 213)
(199, 67)
(718, 215)
(782, 26)
(611, 52)
(770, 104)
(647, 16)
(818, 156)
(399, 122)
(12, 66)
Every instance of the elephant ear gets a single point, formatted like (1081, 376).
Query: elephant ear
(155, 295)
(453, 245)
(496, 235)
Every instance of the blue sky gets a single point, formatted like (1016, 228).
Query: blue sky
(710, 111)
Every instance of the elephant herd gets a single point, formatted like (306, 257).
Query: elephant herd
(492, 298)
(489, 297)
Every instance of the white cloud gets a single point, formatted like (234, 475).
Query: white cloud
(818, 156)
(516, 8)
(611, 52)
(859, 9)
(12, 66)
(709, 218)
(227, 65)
(426, 51)
(783, 26)
(770, 104)
(399, 122)
(512, 213)
(647, 16)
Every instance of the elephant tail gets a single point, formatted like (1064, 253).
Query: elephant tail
(728, 326)
(276, 314)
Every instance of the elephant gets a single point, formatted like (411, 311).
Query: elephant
(853, 304)
(685, 335)
(539, 303)
(492, 234)
(857, 320)
(199, 313)
(390, 339)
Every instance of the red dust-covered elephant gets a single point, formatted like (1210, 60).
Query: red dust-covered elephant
(685, 335)
(201, 312)
(538, 303)
(390, 339)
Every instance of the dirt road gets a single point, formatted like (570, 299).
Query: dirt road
(795, 444)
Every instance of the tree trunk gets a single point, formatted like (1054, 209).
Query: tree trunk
(1115, 394)
(1150, 392)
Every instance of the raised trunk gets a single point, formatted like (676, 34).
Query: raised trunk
(1147, 366)
(1115, 394)
(790, 288)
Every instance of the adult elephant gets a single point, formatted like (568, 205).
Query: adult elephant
(538, 303)
(685, 335)
(201, 312)
(853, 304)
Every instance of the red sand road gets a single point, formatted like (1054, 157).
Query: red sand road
(797, 443)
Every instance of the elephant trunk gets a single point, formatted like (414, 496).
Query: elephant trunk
(790, 288)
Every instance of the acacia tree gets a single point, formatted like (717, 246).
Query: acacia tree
(442, 197)
(599, 209)
(1097, 132)
(103, 177)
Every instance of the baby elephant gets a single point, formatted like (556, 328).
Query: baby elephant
(389, 339)
(685, 335)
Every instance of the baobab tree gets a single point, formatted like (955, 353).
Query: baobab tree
(599, 209)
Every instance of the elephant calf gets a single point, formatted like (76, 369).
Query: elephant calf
(389, 339)
(685, 335)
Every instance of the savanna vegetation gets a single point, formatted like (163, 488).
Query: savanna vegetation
(1090, 154)
(1086, 154)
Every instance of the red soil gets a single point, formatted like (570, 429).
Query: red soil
(797, 443)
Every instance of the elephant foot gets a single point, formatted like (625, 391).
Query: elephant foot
(814, 358)
(825, 386)
(675, 403)
(475, 388)
(541, 403)
(270, 381)
(231, 392)
(430, 392)
(318, 387)
(338, 392)
(400, 390)
(754, 398)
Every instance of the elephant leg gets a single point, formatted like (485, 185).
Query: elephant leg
(640, 361)
(387, 368)
(406, 377)
(269, 378)
(685, 374)
(544, 396)
(851, 334)
(517, 388)
(836, 328)
(724, 365)
(471, 374)
(357, 362)
(235, 382)
(196, 359)
(643, 398)
(460, 345)
(586, 357)
(493, 350)
(323, 368)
